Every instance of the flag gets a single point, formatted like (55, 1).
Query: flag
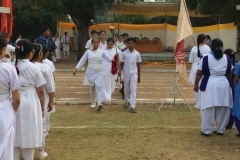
(7, 19)
(184, 29)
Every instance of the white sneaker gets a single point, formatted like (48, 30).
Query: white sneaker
(42, 155)
(93, 105)
(196, 106)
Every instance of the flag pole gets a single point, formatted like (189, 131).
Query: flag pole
(185, 5)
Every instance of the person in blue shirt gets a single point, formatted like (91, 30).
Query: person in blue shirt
(46, 41)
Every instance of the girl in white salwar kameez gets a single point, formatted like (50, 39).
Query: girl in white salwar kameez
(94, 72)
(57, 42)
(216, 93)
(102, 36)
(196, 54)
(109, 83)
(49, 92)
(9, 103)
(28, 124)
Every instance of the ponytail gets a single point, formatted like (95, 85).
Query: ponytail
(200, 40)
(198, 53)
(217, 45)
(218, 53)
(17, 57)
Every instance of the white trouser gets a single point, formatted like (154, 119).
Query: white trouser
(220, 114)
(27, 153)
(47, 115)
(44, 134)
(96, 93)
(198, 98)
(130, 89)
(66, 53)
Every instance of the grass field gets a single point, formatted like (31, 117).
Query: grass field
(79, 132)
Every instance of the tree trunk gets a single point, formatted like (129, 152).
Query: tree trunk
(83, 36)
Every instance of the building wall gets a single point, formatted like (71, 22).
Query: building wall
(166, 33)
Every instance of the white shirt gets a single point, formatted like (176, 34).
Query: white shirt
(216, 67)
(65, 39)
(89, 44)
(47, 73)
(50, 64)
(102, 46)
(120, 45)
(193, 58)
(8, 80)
(130, 61)
(30, 75)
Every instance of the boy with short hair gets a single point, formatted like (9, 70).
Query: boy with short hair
(89, 42)
(130, 65)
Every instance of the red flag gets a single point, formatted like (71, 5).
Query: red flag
(184, 29)
(7, 19)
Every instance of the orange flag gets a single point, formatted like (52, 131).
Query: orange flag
(184, 29)
(7, 19)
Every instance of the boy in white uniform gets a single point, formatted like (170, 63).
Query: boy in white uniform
(89, 42)
(66, 45)
(130, 65)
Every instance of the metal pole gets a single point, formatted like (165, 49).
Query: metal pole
(118, 15)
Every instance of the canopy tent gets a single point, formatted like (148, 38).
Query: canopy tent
(7, 17)
(149, 9)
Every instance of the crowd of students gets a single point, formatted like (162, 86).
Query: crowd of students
(100, 53)
(215, 76)
(27, 93)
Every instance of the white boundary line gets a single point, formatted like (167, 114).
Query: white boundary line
(124, 127)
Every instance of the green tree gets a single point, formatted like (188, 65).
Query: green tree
(82, 12)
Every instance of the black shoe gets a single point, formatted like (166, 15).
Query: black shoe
(238, 135)
(220, 134)
(204, 134)
(228, 127)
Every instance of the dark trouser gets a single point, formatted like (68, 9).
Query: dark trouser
(237, 123)
(231, 121)
(50, 55)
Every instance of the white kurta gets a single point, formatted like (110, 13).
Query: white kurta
(8, 82)
(94, 72)
(102, 46)
(194, 59)
(109, 83)
(58, 45)
(218, 91)
(120, 45)
(28, 124)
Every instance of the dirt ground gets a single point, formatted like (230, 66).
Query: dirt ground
(79, 132)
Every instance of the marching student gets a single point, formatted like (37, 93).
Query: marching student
(197, 52)
(52, 69)
(120, 43)
(9, 103)
(109, 83)
(94, 34)
(49, 92)
(28, 124)
(130, 65)
(94, 72)
(216, 96)
(103, 42)
(66, 45)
